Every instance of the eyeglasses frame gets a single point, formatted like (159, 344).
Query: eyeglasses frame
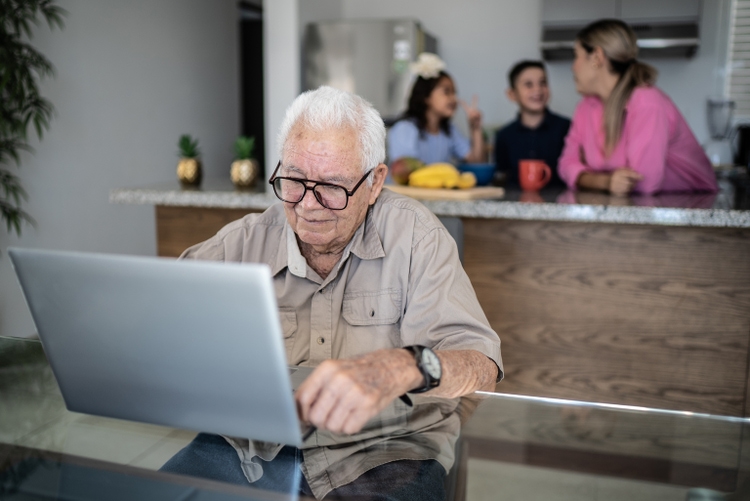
(304, 182)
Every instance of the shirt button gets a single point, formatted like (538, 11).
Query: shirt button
(372, 313)
(321, 340)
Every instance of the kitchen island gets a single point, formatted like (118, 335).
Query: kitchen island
(640, 300)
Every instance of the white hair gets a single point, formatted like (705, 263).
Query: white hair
(327, 108)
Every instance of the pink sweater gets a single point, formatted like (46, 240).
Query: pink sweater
(656, 141)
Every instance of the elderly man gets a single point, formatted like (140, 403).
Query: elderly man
(371, 292)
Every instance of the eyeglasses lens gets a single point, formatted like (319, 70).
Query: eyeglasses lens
(332, 197)
(291, 191)
(288, 190)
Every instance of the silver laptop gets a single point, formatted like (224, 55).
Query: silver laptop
(188, 344)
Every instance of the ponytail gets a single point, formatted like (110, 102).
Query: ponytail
(634, 74)
(619, 44)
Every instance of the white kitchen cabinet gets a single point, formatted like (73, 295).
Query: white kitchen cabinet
(634, 11)
(581, 12)
(577, 12)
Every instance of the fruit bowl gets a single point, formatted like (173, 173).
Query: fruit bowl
(483, 172)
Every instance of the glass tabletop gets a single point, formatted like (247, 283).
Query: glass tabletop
(509, 447)
(585, 450)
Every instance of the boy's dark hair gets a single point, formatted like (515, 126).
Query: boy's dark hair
(519, 67)
(417, 108)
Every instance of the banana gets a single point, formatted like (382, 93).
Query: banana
(430, 182)
(437, 175)
(467, 180)
(434, 170)
(441, 175)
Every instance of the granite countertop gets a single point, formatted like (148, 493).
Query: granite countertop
(730, 207)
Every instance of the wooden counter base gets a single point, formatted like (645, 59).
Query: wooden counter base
(177, 228)
(655, 316)
(639, 315)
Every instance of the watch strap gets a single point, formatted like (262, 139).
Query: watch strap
(429, 381)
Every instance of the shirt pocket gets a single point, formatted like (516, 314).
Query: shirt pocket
(288, 329)
(372, 319)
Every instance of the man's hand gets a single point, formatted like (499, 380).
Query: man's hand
(623, 181)
(342, 395)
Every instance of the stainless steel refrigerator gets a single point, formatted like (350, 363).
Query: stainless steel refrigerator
(367, 57)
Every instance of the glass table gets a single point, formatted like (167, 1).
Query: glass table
(510, 447)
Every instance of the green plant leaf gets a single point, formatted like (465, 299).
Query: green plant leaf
(54, 16)
(244, 147)
(22, 67)
(188, 147)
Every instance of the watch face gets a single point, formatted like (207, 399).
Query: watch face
(431, 363)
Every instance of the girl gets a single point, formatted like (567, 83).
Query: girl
(425, 131)
(626, 134)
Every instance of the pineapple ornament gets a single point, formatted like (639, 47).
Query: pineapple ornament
(189, 169)
(245, 169)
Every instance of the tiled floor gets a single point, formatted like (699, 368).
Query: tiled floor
(32, 413)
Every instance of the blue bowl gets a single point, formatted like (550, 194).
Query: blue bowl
(483, 172)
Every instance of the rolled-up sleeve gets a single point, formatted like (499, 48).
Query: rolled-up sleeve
(442, 310)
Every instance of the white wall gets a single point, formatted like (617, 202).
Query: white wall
(131, 77)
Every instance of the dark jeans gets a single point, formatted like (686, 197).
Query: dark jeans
(211, 457)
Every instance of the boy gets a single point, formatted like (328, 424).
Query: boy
(537, 133)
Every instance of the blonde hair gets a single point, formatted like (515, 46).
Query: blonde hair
(619, 44)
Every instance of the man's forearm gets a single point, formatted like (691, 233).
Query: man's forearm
(464, 372)
(341, 395)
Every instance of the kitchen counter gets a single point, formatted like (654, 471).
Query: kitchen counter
(640, 300)
(727, 208)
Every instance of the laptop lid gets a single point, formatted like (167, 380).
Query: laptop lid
(188, 344)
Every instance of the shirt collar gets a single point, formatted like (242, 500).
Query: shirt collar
(280, 260)
(544, 123)
(295, 261)
(365, 244)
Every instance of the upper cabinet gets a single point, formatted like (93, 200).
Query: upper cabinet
(567, 12)
(638, 11)
(665, 28)
(581, 12)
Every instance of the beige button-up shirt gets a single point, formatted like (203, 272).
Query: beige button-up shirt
(399, 283)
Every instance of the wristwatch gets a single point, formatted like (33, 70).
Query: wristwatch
(428, 364)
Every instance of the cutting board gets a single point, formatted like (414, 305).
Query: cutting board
(478, 193)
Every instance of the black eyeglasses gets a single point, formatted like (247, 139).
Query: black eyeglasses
(331, 196)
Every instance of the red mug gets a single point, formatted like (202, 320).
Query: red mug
(533, 174)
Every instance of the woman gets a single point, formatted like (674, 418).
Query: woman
(425, 131)
(627, 135)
